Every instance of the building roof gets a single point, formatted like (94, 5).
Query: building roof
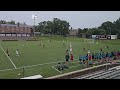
(15, 25)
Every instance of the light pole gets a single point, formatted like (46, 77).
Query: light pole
(34, 17)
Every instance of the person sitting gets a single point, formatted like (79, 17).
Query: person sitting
(81, 59)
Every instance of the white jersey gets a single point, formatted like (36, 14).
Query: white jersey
(70, 45)
(70, 49)
(17, 52)
(88, 51)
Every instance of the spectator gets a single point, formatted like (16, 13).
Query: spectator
(8, 52)
(71, 57)
(67, 58)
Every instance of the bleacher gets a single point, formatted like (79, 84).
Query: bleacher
(105, 74)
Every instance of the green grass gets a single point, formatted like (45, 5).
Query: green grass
(31, 53)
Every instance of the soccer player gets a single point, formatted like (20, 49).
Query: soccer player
(84, 59)
(88, 51)
(67, 58)
(67, 51)
(81, 59)
(90, 57)
(43, 45)
(84, 49)
(110, 56)
(70, 45)
(71, 57)
(97, 56)
(70, 50)
(17, 53)
(103, 56)
(112, 53)
(100, 57)
(101, 49)
(63, 43)
(107, 47)
(8, 52)
(40, 44)
(93, 56)
(117, 55)
(50, 40)
(107, 57)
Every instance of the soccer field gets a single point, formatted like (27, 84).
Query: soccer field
(41, 60)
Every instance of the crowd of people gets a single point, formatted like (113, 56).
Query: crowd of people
(99, 57)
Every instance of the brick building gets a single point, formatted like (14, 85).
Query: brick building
(15, 30)
(73, 32)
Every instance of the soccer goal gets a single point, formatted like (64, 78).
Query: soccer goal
(89, 40)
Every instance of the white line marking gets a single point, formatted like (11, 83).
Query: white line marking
(56, 69)
(37, 65)
(8, 57)
(42, 64)
(65, 69)
(7, 69)
(46, 64)
(11, 69)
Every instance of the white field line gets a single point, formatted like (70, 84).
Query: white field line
(70, 62)
(41, 64)
(11, 69)
(66, 69)
(71, 66)
(36, 65)
(74, 66)
(46, 64)
(8, 57)
(56, 69)
(7, 69)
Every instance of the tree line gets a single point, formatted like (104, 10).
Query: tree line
(106, 28)
(62, 27)
(56, 27)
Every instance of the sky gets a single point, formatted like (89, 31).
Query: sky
(77, 19)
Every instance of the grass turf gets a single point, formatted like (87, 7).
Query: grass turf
(32, 53)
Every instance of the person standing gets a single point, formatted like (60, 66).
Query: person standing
(71, 57)
(17, 53)
(67, 58)
(8, 52)
(71, 48)
(63, 43)
(107, 47)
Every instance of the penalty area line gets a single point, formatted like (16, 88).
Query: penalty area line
(8, 57)
(56, 69)
(46, 64)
